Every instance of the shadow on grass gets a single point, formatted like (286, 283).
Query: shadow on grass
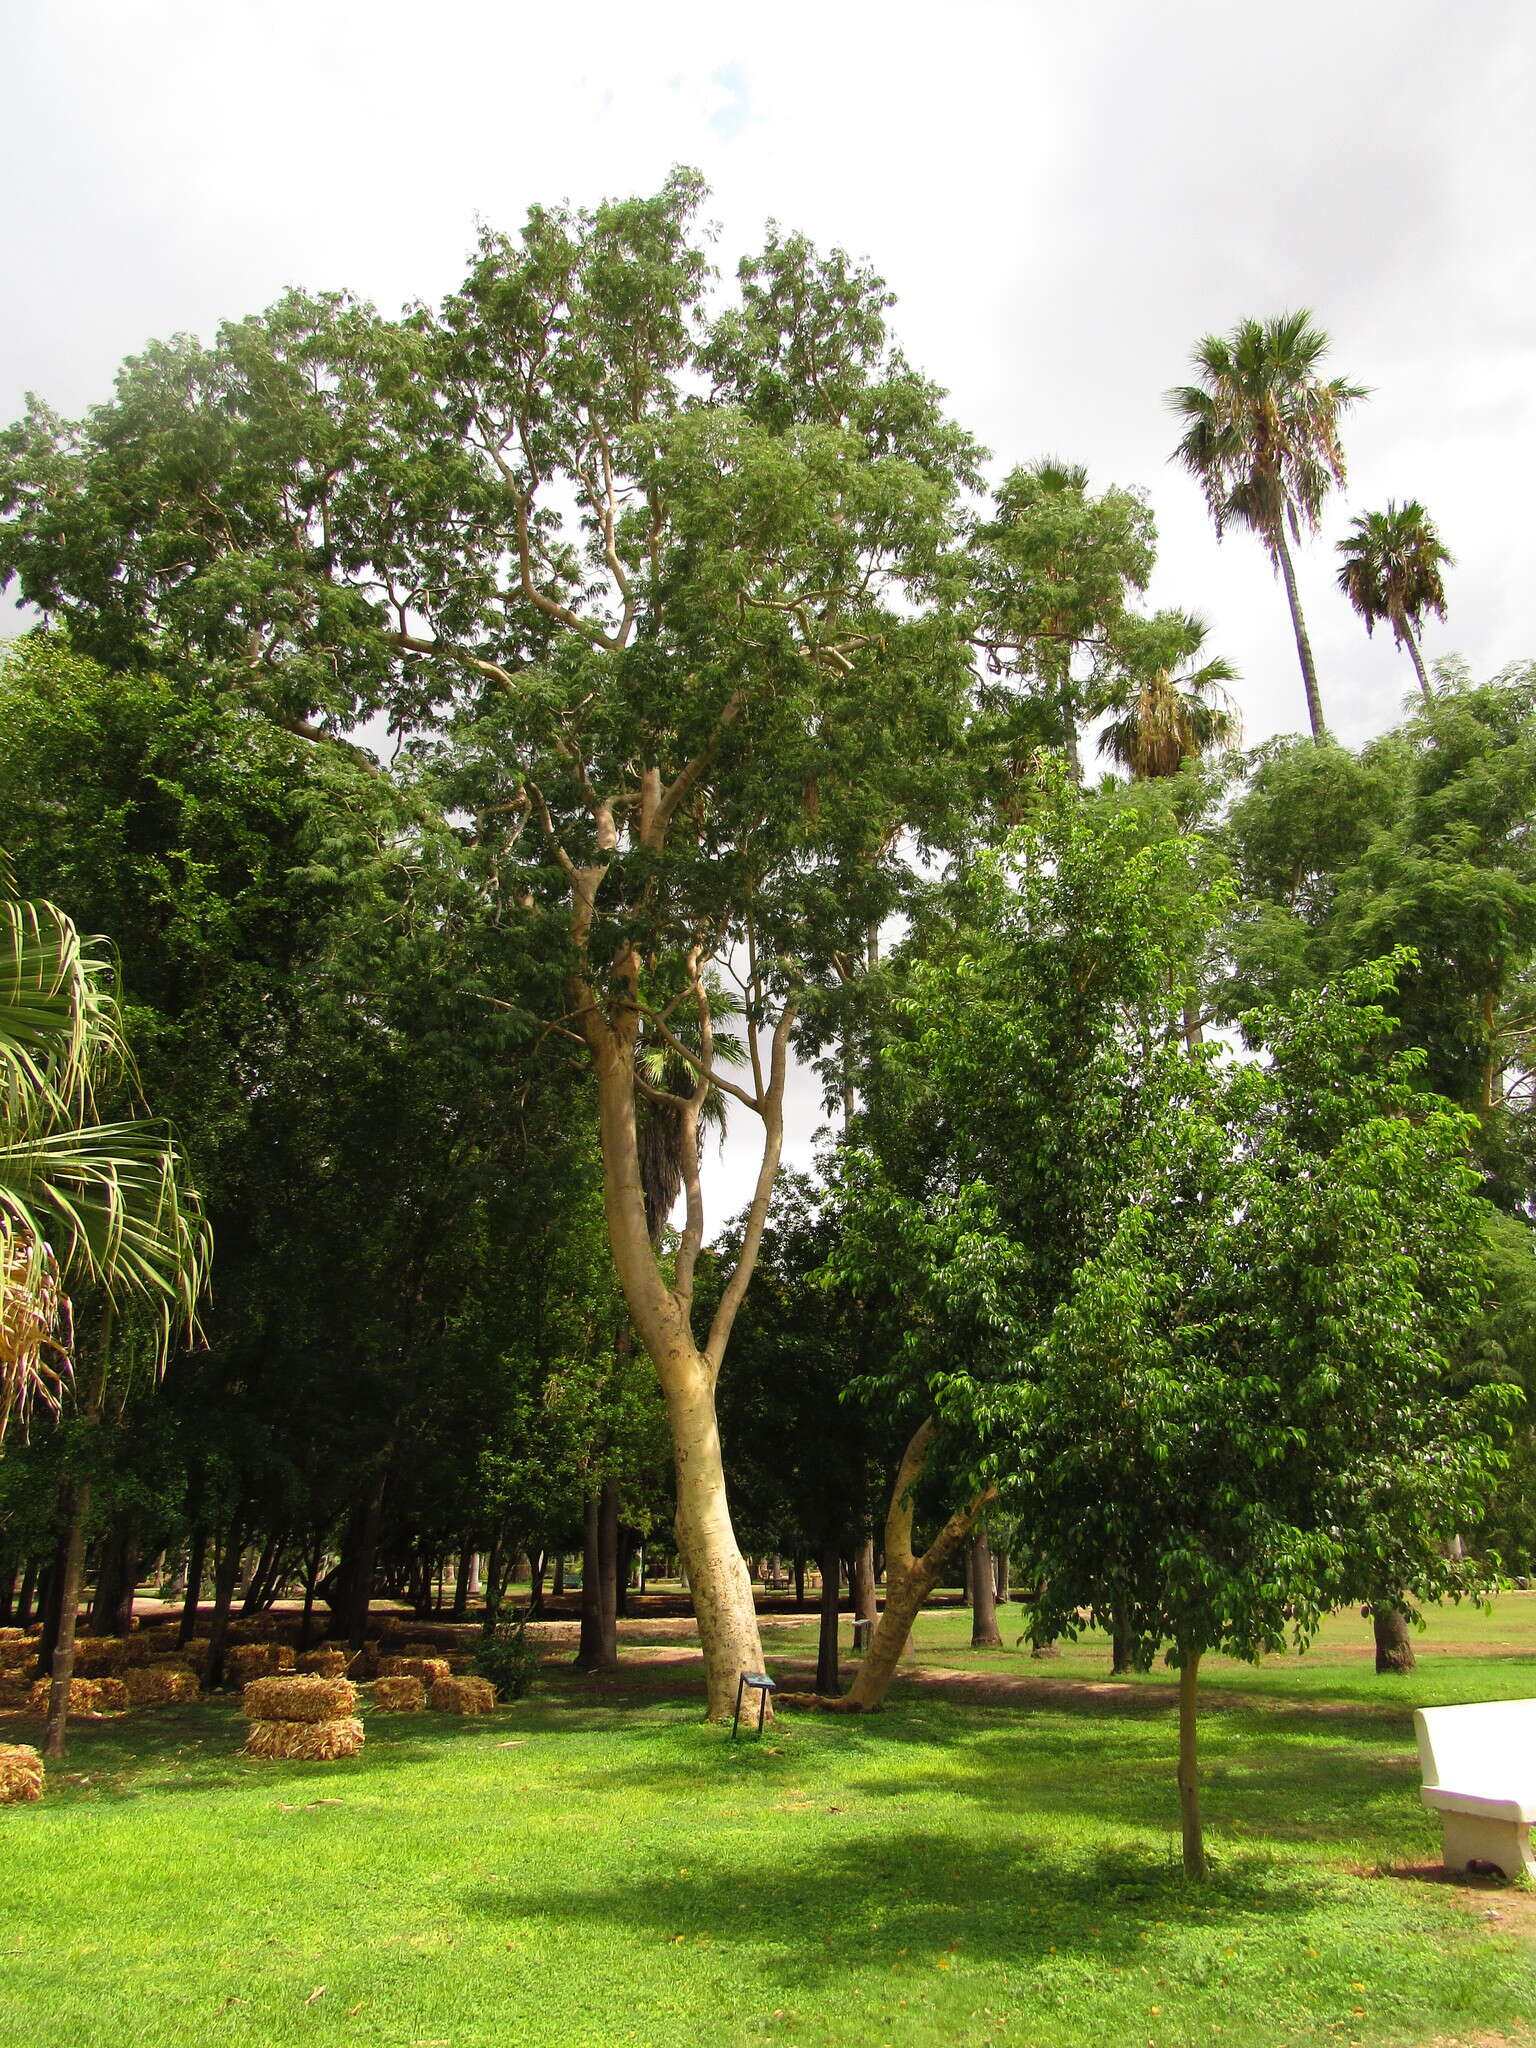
(900, 1903)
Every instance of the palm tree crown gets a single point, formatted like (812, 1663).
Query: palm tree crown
(1262, 437)
(1173, 708)
(1391, 570)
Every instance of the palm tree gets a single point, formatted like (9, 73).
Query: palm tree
(81, 1201)
(1262, 437)
(1173, 707)
(1391, 570)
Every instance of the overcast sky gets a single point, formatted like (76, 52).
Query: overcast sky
(1063, 205)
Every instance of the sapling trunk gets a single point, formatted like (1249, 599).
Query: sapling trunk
(1189, 1771)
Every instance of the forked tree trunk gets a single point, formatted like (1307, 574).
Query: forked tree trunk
(908, 1579)
(984, 1629)
(1189, 1771)
(1394, 1643)
(1282, 555)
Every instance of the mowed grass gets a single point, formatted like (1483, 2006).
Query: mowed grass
(595, 1866)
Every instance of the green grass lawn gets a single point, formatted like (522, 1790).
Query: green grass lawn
(595, 1866)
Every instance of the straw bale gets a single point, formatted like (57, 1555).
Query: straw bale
(399, 1695)
(309, 1698)
(158, 1685)
(253, 1628)
(194, 1651)
(15, 1656)
(330, 1663)
(99, 1656)
(424, 1668)
(257, 1660)
(161, 1635)
(13, 1635)
(463, 1696)
(86, 1696)
(14, 1694)
(311, 1741)
(21, 1773)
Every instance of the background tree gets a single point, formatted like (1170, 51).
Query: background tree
(1262, 439)
(1169, 705)
(1391, 570)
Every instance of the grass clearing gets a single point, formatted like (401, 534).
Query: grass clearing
(593, 1867)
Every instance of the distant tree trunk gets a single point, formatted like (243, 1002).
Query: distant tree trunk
(984, 1629)
(1303, 645)
(361, 1555)
(7, 1596)
(826, 1644)
(629, 1547)
(598, 1648)
(117, 1577)
(640, 1588)
(865, 1603)
(1000, 1576)
(314, 1564)
(800, 1580)
(461, 1583)
(965, 1576)
(557, 1590)
(1394, 1643)
(64, 1644)
(53, 1595)
(1123, 1653)
(536, 1583)
(908, 1579)
(256, 1585)
(475, 1586)
(226, 1576)
(27, 1595)
(1189, 1771)
(197, 1557)
(608, 1570)
(496, 1577)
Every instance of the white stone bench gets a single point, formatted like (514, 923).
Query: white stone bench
(1479, 1766)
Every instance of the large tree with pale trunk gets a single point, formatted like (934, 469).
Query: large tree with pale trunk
(662, 597)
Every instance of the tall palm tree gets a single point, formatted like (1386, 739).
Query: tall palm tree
(1172, 707)
(1391, 570)
(1262, 437)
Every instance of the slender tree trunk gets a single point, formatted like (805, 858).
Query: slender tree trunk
(908, 1579)
(608, 1571)
(1189, 1771)
(984, 1629)
(865, 1604)
(1000, 1577)
(1303, 644)
(256, 1586)
(1405, 637)
(226, 1575)
(589, 1649)
(536, 1583)
(197, 1558)
(28, 1594)
(967, 1570)
(7, 1596)
(53, 1593)
(313, 1565)
(800, 1580)
(629, 1548)
(1394, 1643)
(557, 1588)
(826, 1645)
(461, 1583)
(64, 1646)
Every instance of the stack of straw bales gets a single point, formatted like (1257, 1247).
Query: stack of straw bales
(160, 1684)
(86, 1696)
(305, 1716)
(21, 1773)
(463, 1696)
(257, 1660)
(328, 1662)
(425, 1668)
(400, 1695)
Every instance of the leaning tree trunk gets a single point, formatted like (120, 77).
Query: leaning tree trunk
(1282, 556)
(1394, 1644)
(717, 1572)
(1404, 632)
(984, 1630)
(1189, 1771)
(908, 1579)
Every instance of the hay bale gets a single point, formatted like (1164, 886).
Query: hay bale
(463, 1696)
(21, 1773)
(13, 1635)
(399, 1695)
(308, 1698)
(194, 1651)
(14, 1693)
(160, 1684)
(256, 1660)
(99, 1656)
(252, 1628)
(86, 1696)
(329, 1662)
(425, 1668)
(309, 1741)
(161, 1636)
(17, 1656)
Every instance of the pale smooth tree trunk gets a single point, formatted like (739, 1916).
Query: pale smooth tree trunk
(1303, 644)
(1189, 1771)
